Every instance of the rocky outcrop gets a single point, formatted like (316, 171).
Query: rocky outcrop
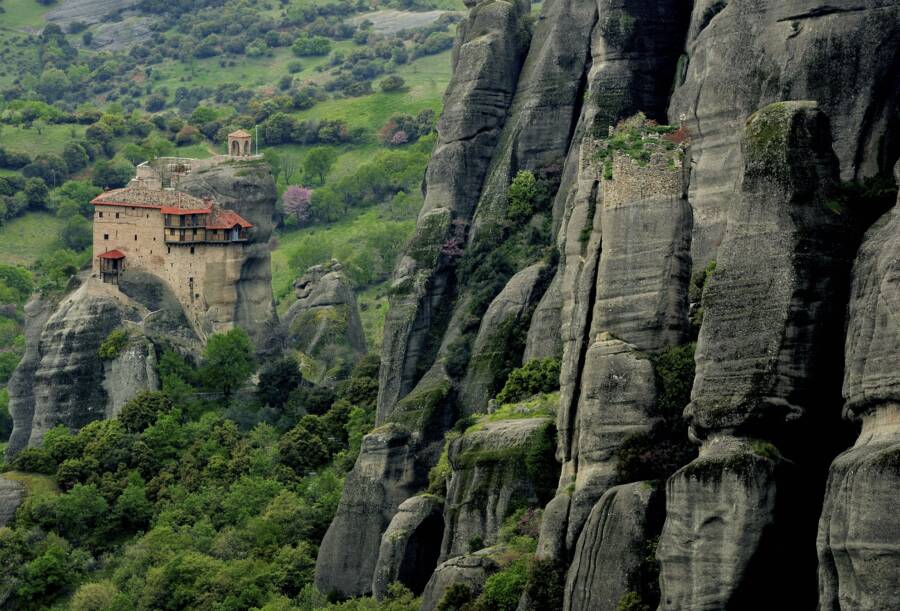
(470, 570)
(131, 372)
(21, 384)
(61, 378)
(410, 545)
(731, 525)
(859, 533)
(384, 476)
(618, 397)
(772, 307)
(247, 187)
(511, 309)
(611, 559)
(499, 467)
(487, 57)
(12, 493)
(324, 322)
(545, 108)
(543, 339)
(766, 361)
(628, 298)
(742, 55)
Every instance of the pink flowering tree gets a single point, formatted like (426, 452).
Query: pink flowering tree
(399, 137)
(296, 203)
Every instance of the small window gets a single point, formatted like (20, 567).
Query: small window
(168, 250)
(105, 236)
(117, 215)
(135, 237)
(148, 216)
(192, 250)
(101, 215)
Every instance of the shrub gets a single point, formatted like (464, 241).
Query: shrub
(456, 597)
(35, 460)
(536, 376)
(311, 46)
(113, 345)
(503, 589)
(522, 193)
(392, 83)
(546, 578)
(143, 409)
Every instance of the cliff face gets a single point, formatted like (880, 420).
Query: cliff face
(744, 176)
(247, 188)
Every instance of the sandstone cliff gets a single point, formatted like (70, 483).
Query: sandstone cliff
(723, 215)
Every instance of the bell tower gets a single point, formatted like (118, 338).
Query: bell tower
(239, 144)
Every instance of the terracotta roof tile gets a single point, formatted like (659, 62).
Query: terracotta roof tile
(226, 219)
(113, 254)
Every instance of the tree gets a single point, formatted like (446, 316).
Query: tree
(307, 45)
(75, 156)
(74, 197)
(113, 174)
(297, 203)
(318, 163)
(77, 233)
(51, 168)
(227, 361)
(302, 448)
(276, 381)
(143, 409)
(53, 84)
(36, 192)
(392, 83)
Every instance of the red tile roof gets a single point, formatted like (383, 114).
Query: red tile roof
(113, 254)
(241, 133)
(226, 219)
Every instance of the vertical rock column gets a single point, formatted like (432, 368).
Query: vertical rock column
(737, 530)
(394, 460)
(859, 533)
(488, 55)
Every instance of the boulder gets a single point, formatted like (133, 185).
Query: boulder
(614, 552)
(543, 339)
(61, 378)
(133, 371)
(21, 383)
(767, 351)
(410, 545)
(731, 539)
(471, 570)
(386, 473)
(324, 322)
(498, 467)
(247, 187)
(618, 398)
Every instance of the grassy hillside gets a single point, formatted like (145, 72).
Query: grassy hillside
(25, 239)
